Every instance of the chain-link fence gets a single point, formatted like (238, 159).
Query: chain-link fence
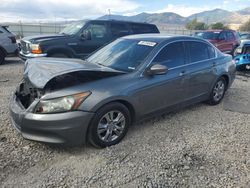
(22, 30)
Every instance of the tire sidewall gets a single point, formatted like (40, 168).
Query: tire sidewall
(92, 133)
(211, 100)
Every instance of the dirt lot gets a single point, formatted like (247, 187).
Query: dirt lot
(200, 146)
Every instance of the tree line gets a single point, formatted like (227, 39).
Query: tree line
(196, 25)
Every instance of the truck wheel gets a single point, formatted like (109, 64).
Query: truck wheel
(109, 125)
(2, 57)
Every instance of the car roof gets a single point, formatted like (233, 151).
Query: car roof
(161, 37)
(119, 21)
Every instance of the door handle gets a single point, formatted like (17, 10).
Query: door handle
(214, 64)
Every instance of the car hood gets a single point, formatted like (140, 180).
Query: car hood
(40, 38)
(39, 71)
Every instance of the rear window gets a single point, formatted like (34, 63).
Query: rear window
(119, 29)
(143, 28)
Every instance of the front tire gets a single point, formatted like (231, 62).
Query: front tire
(109, 125)
(218, 92)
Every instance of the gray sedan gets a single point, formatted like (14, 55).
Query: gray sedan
(135, 77)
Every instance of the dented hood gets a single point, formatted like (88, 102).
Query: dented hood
(39, 71)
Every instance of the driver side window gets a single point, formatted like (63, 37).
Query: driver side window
(171, 56)
(97, 31)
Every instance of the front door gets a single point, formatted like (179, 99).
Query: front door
(160, 91)
(98, 36)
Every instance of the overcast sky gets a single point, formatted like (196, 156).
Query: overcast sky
(38, 10)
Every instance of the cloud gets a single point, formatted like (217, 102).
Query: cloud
(62, 9)
(183, 10)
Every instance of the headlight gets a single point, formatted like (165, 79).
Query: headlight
(62, 104)
(35, 48)
(239, 50)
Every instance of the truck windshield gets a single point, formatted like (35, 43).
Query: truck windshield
(72, 28)
(123, 54)
(211, 35)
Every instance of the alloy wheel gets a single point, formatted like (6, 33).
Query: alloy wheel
(111, 126)
(219, 90)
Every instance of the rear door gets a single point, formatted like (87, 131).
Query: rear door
(231, 41)
(226, 41)
(201, 68)
(222, 43)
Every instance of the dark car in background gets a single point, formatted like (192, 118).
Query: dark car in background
(8, 45)
(225, 40)
(72, 101)
(80, 39)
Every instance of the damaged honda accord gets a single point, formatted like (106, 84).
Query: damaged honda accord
(71, 101)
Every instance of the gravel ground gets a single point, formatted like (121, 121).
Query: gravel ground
(200, 146)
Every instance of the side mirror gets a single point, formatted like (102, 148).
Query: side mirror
(157, 69)
(86, 35)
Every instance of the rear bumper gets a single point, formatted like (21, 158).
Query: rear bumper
(24, 57)
(68, 128)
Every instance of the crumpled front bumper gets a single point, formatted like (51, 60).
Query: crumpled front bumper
(68, 128)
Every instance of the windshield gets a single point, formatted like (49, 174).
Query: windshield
(123, 54)
(72, 28)
(208, 35)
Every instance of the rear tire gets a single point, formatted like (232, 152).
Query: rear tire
(109, 125)
(2, 57)
(218, 92)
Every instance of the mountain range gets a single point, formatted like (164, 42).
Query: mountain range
(209, 17)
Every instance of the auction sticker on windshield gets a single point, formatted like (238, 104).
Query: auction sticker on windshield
(147, 43)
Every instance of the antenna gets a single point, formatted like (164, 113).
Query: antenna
(109, 11)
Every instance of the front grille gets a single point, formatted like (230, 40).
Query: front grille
(24, 47)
